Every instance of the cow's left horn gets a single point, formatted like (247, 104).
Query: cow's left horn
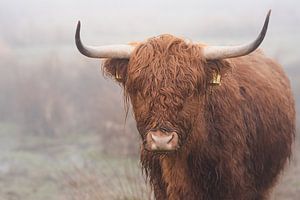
(108, 51)
(222, 52)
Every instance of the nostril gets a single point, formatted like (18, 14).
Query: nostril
(161, 139)
(172, 136)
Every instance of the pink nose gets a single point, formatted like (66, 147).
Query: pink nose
(161, 141)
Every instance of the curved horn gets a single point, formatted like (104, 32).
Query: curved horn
(222, 52)
(108, 51)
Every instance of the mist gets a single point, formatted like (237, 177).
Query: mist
(59, 113)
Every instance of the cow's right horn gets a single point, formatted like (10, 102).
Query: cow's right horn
(107, 51)
(223, 52)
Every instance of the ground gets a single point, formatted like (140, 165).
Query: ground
(72, 167)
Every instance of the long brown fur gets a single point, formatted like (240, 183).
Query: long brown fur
(234, 138)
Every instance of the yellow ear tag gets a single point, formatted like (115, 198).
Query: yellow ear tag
(118, 76)
(216, 79)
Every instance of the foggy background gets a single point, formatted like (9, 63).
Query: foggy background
(62, 124)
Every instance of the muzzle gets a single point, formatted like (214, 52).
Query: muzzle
(161, 140)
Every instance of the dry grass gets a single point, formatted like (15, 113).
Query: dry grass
(121, 179)
(113, 181)
(288, 187)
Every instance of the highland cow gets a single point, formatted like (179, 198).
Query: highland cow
(216, 122)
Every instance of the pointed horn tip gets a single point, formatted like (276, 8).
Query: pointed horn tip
(77, 33)
(269, 13)
(78, 24)
(266, 21)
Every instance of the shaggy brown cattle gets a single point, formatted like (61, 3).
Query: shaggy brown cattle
(216, 122)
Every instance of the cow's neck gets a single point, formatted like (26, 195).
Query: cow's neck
(175, 173)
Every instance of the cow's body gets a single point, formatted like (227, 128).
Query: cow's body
(248, 134)
(204, 141)
(240, 138)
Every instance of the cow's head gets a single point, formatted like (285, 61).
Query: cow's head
(166, 79)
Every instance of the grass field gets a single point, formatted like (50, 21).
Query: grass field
(73, 167)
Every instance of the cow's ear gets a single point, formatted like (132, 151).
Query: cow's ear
(116, 69)
(216, 69)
